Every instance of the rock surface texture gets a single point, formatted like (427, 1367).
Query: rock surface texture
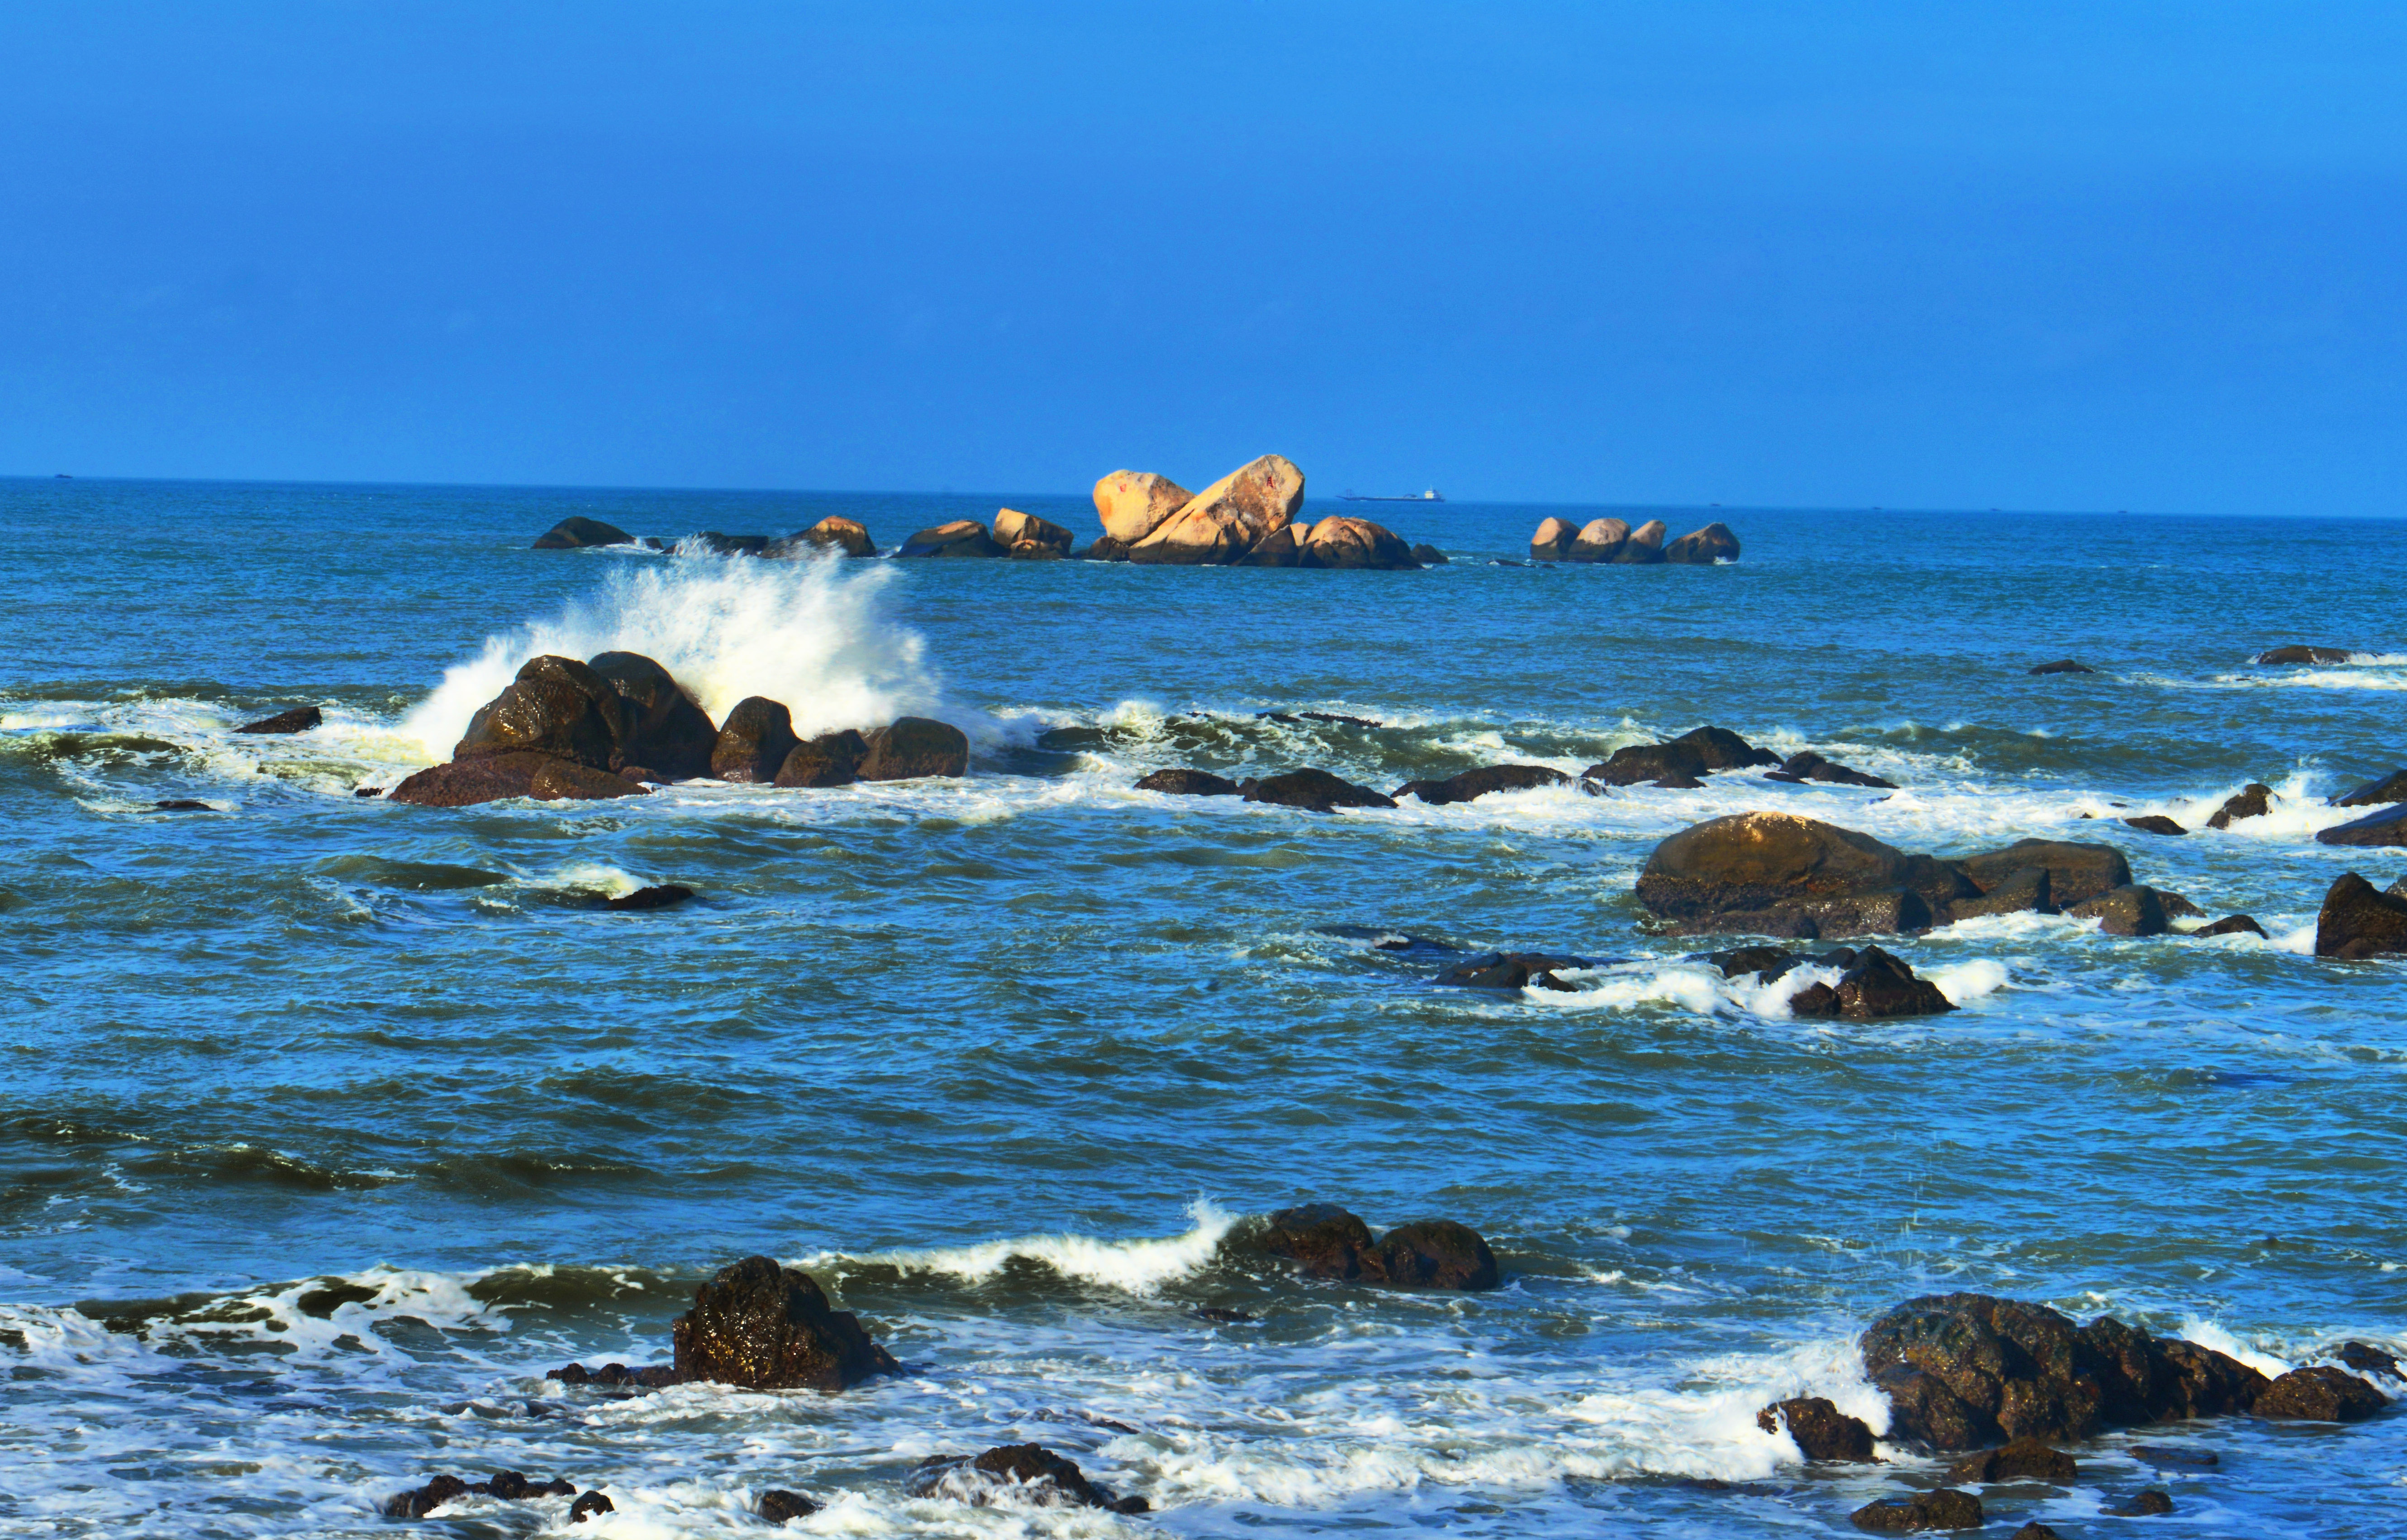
(1131, 504)
(1314, 790)
(767, 1328)
(2358, 921)
(1703, 548)
(1327, 1242)
(1470, 785)
(1227, 519)
(913, 749)
(754, 741)
(1820, 1430)
(960, 537)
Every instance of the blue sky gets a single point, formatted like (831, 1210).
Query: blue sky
(1917, 254)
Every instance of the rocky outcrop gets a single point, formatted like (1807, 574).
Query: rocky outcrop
(1876, 988)
(1720, 748)
(1227, 519)
(2027, 890)
(1703, 548)
(2357, 921)
(2320, 1394)
(1327, 1242)
(1776, 874)
(1315, 791)
(2155, 823)
(2254, 800)
(576, 532)
(1553, 540)
(832, 759)
(497, 778)
(2022, 1460)
(1820, 1430)
(833, 533)
(1031, 1472)
(1942, 1508)
(556, 707)
(767, 1328)
(2305, 655)
(1677, 765)
(1013, 528)
(2075, 872)
(913, 748)
(1599, 540)
(960, 537)
(2387, 827)
(512, 1486)
(754, 741)
(2064, 666)
(1644, 546)
(1190, 783)
(592, 1504)
(1472, 784)
(1808, 765)
(1508, 971)
(1428, 556)
(2234, 925)
(1105, 549)
(1131, 504)
(1278, 549)
(776, 1505)
(1963, 1371)
(2132, 909)
(1339, 542)
(2389, 788)
(299, 719)
(663, 729)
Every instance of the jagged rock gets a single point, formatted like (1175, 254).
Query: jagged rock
(1703, 548)
(2320, 1394)
(1105, 549)
(2064, 666)
(2254, 800)
(2023, 1460)
(2387, 827)
(1131, 504)
(1227, 519)
(1011, 527)
(1877, 987)
(777, 1504)
(914, 748)
(1599, 540)
(556, 707)
(2156, 823)
(1720, 748)
(1341, 542)
(663, 729)
(2141, 1504)
(1472, 784)
(1280, 548)
(1327, 1241)
(1428, 556)
(1644, 546)
(495, 777)
(770, 1329)
(2305, 655)
(2389, 788)
(1774, 874)
(832, 759)
(1943, 1508)
(2365, 1358)
(833, 533)
(2028, 890)
(958, 537)
(1553, 540)
(1822, 1431)
(1644, 762)
(576, 531)
(424, 1500)
(754, 741)
(729, 545)
(1190, 783)
(1034, 1473)
(1808, 765)
(1772, 962)
(2075, 872)
(1315, 791)
(650, 1376)
(299, 719)
(588, 1507)
(1508, 971)
(2234, 925)
(2128, 910)
(665, 895)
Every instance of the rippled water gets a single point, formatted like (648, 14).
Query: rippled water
(1004, 1060)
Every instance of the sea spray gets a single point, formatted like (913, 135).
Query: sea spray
(812, 634)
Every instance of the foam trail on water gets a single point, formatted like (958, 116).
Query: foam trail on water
(1136, 1266)
(810, 634)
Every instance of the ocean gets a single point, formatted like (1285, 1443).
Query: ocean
(330, 1125)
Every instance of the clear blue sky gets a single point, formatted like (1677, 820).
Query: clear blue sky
(1922, 254)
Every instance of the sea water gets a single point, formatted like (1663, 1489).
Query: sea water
(330, 1125)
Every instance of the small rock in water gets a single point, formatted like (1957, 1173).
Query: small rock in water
(1313, 791)
(367, 791)
(659, 897)
(1722, 749)
(2305, 655)
(2141, 1504)
(1809, 765)
(426, 1499)
(767, 1328)
(2075, 872)
(915, 749)
(2156, 823)
(585, 1507)
(2365, 1358)
(960, 537)
(754, 741)
(2232, 925)
(1943, 1508)
(1472, 784)
(1769, 960)
(1678, 764)
(2020, 1459)
(299, 719)
(2357, 921)
(1822, 1431)
(1188, 783)
(514, 1486)
(2064, 666)
(576, 531)
(650, 1376)
(1032, 1471)
(1428, 556)
(832, 759)
(2176, 1454)
(183, 805)
(2128, 910)
(1509, 971)
(1329, 1242)
(2254, 800)
(777, 1504)
(2320, 1394)
(1877, 987)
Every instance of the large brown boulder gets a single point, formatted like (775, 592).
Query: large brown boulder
(914, 748)
(556, 706)
(1643, 546)
(754, 741)
(1314, 790)
(960, 537)
(578, 531)
(832, 759)
(2389, 788)
(2387, 827)
(1553, 540)
(497, 778)
(767, 1328)
(1227, 519)
(666, 732)
(1472, 784)
(1776, 874)
(2321, 1394)
(1822, 1431)
(1703, 548)
(1941, 1509)
(1339, 541)
(1134, 504)
(1327, 1242)
(2075, 872)
(2357, 920)
(1011, 527)
(1599, 540)
(1964, 1371)
(833, 533)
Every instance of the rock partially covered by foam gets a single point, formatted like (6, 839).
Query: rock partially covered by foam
(1668, 765)
(1025, 1473)
(512, 1486)
(1131, 504)
(1509, 971)
(1722, 749)
(1470, 785)
(2296, 654)
(754, 741)
(1776, 874)
(2357, 920)
(1190, 783)
(1327, 1241)
(578, 531)
(767, 1328)
(556, 706)
(2254, 800)
(1820, 1430)
(2132, 909)
(1875, 987)
(833, 533)
(1703, 548)
(664, 730)
(1806, 766)
(299, 719)
(912, 748)
(1314, 790)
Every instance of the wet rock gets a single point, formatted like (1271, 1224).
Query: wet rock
(299, 719)
(1280, 548)
(1013, 528)
(2028, 890)
(666, 895)
(2254, 800)
(1322, 1239)
(2023, 1460)
(1188, 783)
(367, 791)
(2387, 827)
(1221, 1316)
(1720, 748)
(556, 706)
(833, 533)
(729, 545)
(754, 741)
(1776, 874)
(1227, 519)
(777, 1504)
(1599, 540)
(1877, 987)
(1941, 1510)
(1644, 546)
(2232, 925)
(2320, 1394)
(1314, 790)
(2064, 666)
(1808, 765)
(1428, 556)
(2358, 921)
(2176, 1454)
(2156, 823)
(1770, 960)
(2305, 655)
(1035, 551)
(957, 537)
(1645, 762)
(1131, 504)
(2132, 909)
(592, 1504)
(2389, 788)
(2141, 1504)
(1340, 542)
(832, 759)
(183, 805)
(913, 748)
(1472, 784)
(1553, 540)
(649, 1376)
(1032, 1472)
(1327, 1242)
(497, 778)
(576, 531)
(1508, 971)
(515, 1487)
(2035, 1530)
(1820, 1428)
(2075, 872)
(2365, 1358)
(661, 728)
(767, 1328)
(424, 1500)
(1105, 549)
(1703, 548)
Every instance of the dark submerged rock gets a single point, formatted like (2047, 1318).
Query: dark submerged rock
(767, 1328)
(576, 531)
(2320, 1394)
(2075, 872)
(1705, 547)
(183, 805)
(960, 537)
(495, 777)
(299, 719)
(664, 896)
(1188, 783)
(1428, 556)
(2156, 823)
(2365, 1358)
(2035, 1530)
(2358, 921)
(1324, 1240)
(664, 729)
(2176, 1454)
(419, 1503)
(1037, 1472)
(1776, 874)
(777, 1504)
(588, 1506)
(1822, 1431)
(649, 1376)
(2254, 800)
(754, 741)
(2023, 1460)
(1943, 1508)
(1809, 765)
(1720, 748)
(1327, 1242)
(2232, 925)
(729, 545)
(1772, 960)
(2064, 666)
(2305, 655)
(2030, 890)
(2141, 1504)
(2387, 827)
(556, 706)
(1314, 790)
(1473, 784)
(1656, 763)
(832, 759)
(915, 748)
(1508, 971)
(1877, 987)
(2390, 788)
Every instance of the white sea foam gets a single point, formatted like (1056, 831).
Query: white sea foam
(1962, 981)
(1139, 1266)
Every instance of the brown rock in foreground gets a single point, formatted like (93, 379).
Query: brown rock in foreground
(1340, 541)
(1941, 1510)
(2023, 1460)
(664, 729)
(754, 741)
(2321, 1394)
(767, 1328)
(1470, 785)
(555, 705)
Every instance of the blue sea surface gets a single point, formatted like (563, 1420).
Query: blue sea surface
(330, 1125)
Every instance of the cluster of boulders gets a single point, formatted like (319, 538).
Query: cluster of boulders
(1612, 541)
(1872, 985)
(612, 725)
(511, 1486)
(1325, 1241)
